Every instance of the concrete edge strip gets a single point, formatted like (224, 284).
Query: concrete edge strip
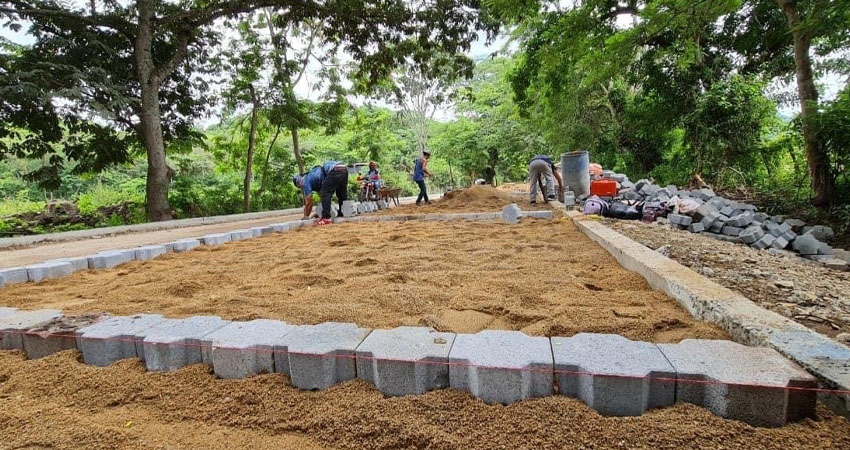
(150, 226)
(610, 373)
(747, 322)
(108, 259)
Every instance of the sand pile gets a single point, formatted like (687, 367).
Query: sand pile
(471, 199)
(542, 277)
(59, 403)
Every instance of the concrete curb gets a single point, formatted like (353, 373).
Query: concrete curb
(745, 321)
(612, 374)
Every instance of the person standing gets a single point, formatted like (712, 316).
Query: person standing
(420, 171)
(541, 170)
(329, 178)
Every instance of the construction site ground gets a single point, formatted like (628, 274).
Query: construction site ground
(799, 289)
(542, 277)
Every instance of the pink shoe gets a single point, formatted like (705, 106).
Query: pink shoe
(323, 222)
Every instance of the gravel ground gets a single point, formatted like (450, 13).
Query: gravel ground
(799, 289)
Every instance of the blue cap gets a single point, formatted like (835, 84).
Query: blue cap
(296, 180)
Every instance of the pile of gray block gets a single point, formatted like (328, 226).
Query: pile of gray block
(611, 374)
(739, 223)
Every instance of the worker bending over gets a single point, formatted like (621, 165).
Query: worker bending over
(329, 178)
(540, 171)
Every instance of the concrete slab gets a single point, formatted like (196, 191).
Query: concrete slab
(149, 252)
(751, 384)
(57, 335)
(115, 338)
(215, 239)
(184, 245)
(535, 214)
(177, 343)
(111, 258)
(501, 366)
(280, 227)
(244, 349)
(405, 360)
(323, 355)
(613, 375)
(4, 311)
(49, 270)
(14, 275)
(13, 327)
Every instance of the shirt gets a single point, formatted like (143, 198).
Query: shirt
(545, 158)
(313, 181)
(418, 173)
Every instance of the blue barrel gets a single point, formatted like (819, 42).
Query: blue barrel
(574, 171)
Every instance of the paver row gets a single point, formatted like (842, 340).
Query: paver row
(108, 259)
(612, 374)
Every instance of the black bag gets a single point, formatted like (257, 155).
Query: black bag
(625, 211)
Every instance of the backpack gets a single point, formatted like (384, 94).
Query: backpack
(654, 210)
(626, 211)
(595, 205)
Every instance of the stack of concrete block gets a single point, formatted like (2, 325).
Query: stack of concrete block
(737, 222)
(57, 334)
(173, 343)
(320, 356)
(115, 338)
(405, 360)
(501, 366)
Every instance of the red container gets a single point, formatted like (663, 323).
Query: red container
(603, 188)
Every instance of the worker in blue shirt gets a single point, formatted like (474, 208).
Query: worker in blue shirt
(329, 178)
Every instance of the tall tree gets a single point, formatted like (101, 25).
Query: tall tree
(135, 65)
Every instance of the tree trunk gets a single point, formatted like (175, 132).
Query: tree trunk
(816, 153)
(268, 156)
(150, 118)
(296, 148)
(249, 160)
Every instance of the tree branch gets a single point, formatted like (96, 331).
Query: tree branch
(107, 21)
(164, 71)
(202, 16)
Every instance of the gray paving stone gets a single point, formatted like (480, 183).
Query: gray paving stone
(244, 349)
(535, 214)
(215, 239)
(115, 338)
(49, 270)
(405, 360)
(501, 366)
(613, 375)
(77, 263)
(13, 327)
(280, 227)
(56, 335)
(729, 230)
(5, 311)
(696, 227)
(741, 220)
(322, 355)
(750, 384)
(510, 214)
(149, 252)
(184, 245)
(779, 243)
(111, 258)
(13, 275)
(765, 242)
(807, 244)
(178, 343)
(241, 235)
(751, 234)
